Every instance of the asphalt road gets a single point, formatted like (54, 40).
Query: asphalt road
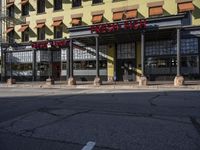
(61, 119)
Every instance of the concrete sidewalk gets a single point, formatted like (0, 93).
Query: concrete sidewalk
(193, 85)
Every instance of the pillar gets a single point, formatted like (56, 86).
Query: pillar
(50, 80)
(68, 63)
(11, 80)
(34, 74)
(111, 63)
(97, 80)
(179, 80)
(143, 79)
(71, 80)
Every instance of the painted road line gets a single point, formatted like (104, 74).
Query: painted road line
(89, 146)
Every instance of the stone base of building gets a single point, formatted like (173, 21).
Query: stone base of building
(71, 81)
(11, 81)
(97, 81)
(178, 81)
(49, 81)
(110, 79)
(142, 81)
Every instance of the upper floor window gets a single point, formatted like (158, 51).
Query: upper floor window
(58, 30)
(10, 35)
(40, 6)
(97, 1)
(10, 9)
(40, 31)
(57, 4)
(25, 35)
(25, 9)
(76, 3)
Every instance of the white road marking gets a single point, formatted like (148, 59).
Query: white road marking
(89, 146)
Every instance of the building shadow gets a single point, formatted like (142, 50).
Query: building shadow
(196, 12)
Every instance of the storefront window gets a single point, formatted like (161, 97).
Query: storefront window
(89, 65)
(126, 51)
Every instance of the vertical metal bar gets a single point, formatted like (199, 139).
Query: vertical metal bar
(51, 67)
(178, 52)
(34, 65)
(2, 64)
(71, 58)
(11, 65)
(68, 62)
(5, 66)
(97, 56)
(142, 53)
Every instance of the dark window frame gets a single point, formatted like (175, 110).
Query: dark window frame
(41, 33)
(97, 1)
(40, 6)
(76, 3)
(25, 9)
(11, 11)
(58, 5)
(56, 30)
(25, 35)
(10, 37)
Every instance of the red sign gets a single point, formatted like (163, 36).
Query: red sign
(43, 45)
(113, 27)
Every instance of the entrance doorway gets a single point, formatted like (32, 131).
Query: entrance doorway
(125, 70)
(125, 63)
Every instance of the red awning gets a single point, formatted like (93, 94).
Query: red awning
(183, 7)
(154, 11)
(23, 2)
(40, 25)
(75, 21)
(23, 28)
(56, 23)
(118, 16)
(9, 30)
(130, 14)
(97, 18)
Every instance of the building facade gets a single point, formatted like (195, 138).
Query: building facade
(112, 39)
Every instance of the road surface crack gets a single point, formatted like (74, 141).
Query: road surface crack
(152, 99)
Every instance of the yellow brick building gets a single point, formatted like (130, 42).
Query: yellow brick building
(76, 17)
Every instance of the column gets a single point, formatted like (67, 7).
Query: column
(68, 63)
(11, 80)
(143, 79)
(179, 80)
(71, 80)
(50, 80)
(34, 74)
(97, 80)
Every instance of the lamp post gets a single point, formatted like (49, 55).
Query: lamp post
(50, 80)
(10, 80)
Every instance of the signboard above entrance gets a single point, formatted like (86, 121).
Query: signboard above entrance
(116, 26)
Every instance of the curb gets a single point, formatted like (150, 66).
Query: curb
(122, 87)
